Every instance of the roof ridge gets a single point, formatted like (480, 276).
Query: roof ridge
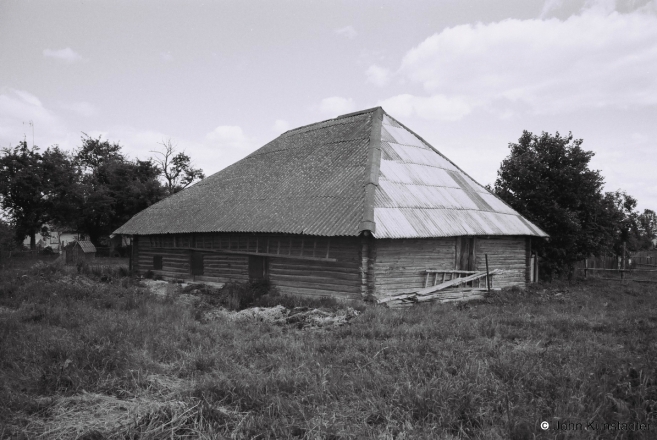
(346, 115)
(372, 171)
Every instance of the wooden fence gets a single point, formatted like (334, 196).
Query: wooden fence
(607, 262)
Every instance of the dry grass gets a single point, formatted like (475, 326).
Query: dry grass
(92, 360)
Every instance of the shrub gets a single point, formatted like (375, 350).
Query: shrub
(239, 296)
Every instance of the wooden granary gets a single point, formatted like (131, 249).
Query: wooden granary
(79, 251)
(353, 206)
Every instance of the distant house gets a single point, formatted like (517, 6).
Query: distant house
(353, 206)
(57, 239)
(79, 251)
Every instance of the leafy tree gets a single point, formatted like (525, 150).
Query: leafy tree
(35, 187)
(8, 239)
(625, 231)
(113, 188)
(648, 226)
(547, 179)
(177, 170)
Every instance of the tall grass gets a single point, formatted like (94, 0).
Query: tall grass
(494, 369)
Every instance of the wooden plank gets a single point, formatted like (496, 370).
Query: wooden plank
(454, 282)
(469, 272)
(620, 270)
(238, 252)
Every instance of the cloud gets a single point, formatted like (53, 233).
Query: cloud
(336, 105)
(81, 108)
(439, 107)
(166, 56)
(595, 60)
(281, 126)
(18, 109)
(347, 32)
(67, 55)
(229, 136)
(379, 76)
(549, 6)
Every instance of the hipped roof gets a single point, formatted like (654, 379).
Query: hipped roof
(363, 171)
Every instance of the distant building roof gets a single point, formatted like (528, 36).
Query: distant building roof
(86, 246)
(357, 172)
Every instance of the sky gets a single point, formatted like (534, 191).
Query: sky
(221, 79)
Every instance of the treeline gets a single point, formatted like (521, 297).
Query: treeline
(547, 179)
(93, 190)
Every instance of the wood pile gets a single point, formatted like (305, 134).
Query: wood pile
(448, 291)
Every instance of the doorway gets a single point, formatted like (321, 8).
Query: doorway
(465, 254)
(258, 268)
(197, 263)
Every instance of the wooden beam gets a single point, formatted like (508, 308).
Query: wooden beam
(619, 270)
(293, 257)
(467, 272)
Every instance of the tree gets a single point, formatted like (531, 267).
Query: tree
(648, 226)
(176, 168)
(547, 179)
(8, 239)
(113, 188)
(35, 187)
(625, 231)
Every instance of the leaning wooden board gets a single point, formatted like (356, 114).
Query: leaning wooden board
(443, 292)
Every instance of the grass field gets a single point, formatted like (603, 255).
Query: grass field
(85, 359)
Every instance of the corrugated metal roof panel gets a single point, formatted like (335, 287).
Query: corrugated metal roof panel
(423, 194)
(496, 204)
(404, 137)
(413, 222)
(387, 120)
(421, 156)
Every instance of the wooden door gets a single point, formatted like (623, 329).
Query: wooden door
(465, 253)
(258, 269)
(197, 263)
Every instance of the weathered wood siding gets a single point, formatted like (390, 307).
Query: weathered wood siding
(400, 264)
(506, 253)
(347, 267)
(295, 263)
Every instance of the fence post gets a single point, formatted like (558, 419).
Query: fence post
(487, 274)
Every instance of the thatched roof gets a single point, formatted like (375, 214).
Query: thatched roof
(357, 172)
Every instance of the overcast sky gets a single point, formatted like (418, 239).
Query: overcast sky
(223, 78)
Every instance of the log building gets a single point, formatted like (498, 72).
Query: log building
(353, 206)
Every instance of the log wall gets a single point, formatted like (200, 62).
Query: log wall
(301, 265)
(400, 264)
(347, 267)
(505, 253)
